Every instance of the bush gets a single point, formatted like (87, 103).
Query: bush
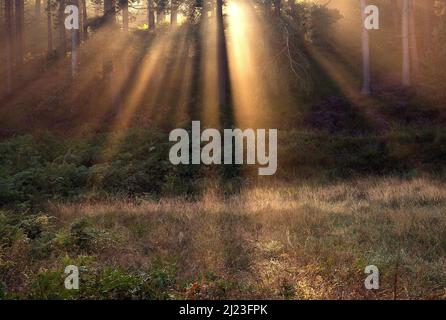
(9, 228)
(33, 226)
(34, 170)
(84, 236)
(100, 283)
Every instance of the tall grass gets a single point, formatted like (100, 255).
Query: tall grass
(285, 241)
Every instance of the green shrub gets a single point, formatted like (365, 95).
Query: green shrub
(49, 284)
(83, 235)
(9, 229)
(100, 283)
(33, 226)
(35, 170)
(2, 291)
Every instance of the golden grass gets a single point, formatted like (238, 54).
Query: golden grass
(297, 241)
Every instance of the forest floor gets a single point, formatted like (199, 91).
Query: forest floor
(276, 241)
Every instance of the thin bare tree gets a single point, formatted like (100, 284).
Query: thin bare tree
(49, 26)
(406, 81)
(8, 40)
(365, 52)
(150, 15)
(19, 31)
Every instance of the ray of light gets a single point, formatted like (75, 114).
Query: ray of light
(247, 52)
(209, 77)
(146, 85)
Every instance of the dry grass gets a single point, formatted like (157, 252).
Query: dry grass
(286, 241)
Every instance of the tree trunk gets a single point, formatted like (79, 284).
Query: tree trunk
(150, 15)
(74, 46)
(19, 28)
(37, 7)
(365, 53)
(62, 47)
(174, 14)
(125, 15)
(9, 50)
(110, 23)
(49, 26)
(222, 60)
(277, 7)
(293, 8)
(413, 41)
(406, 50)
(160, 16)
(84, 20)
(109, 11)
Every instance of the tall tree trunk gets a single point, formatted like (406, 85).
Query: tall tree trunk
(365, 52)
(210, 6)
(293, 8)
(74, 46)
(406, 49)
(277, 7)
(174, 13)
(125, 14)
(150, 15)
(19, 28)
(109, 11)
(110, 23)
(9, 49)
(160, 16)
(222, 60)
(37, 7)
(49, 26)
(413, 41)
(62, 46)
(84, 20)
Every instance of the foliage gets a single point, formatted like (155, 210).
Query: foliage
(34, 170)
(98, 282)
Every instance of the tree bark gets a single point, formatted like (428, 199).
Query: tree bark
(277, 7)
(74, 46)
(125, 14)
(19, 28)
(62, 47)
(110, 24)
(9, 49)
(406, 50)
(365, 52)
(174, 13)
(37, 7)
(49, 26)
(293, 8)
(109, 11)
(150, 15)
(160, 16)
(84, 20)
(413, 41)
(222, 60)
